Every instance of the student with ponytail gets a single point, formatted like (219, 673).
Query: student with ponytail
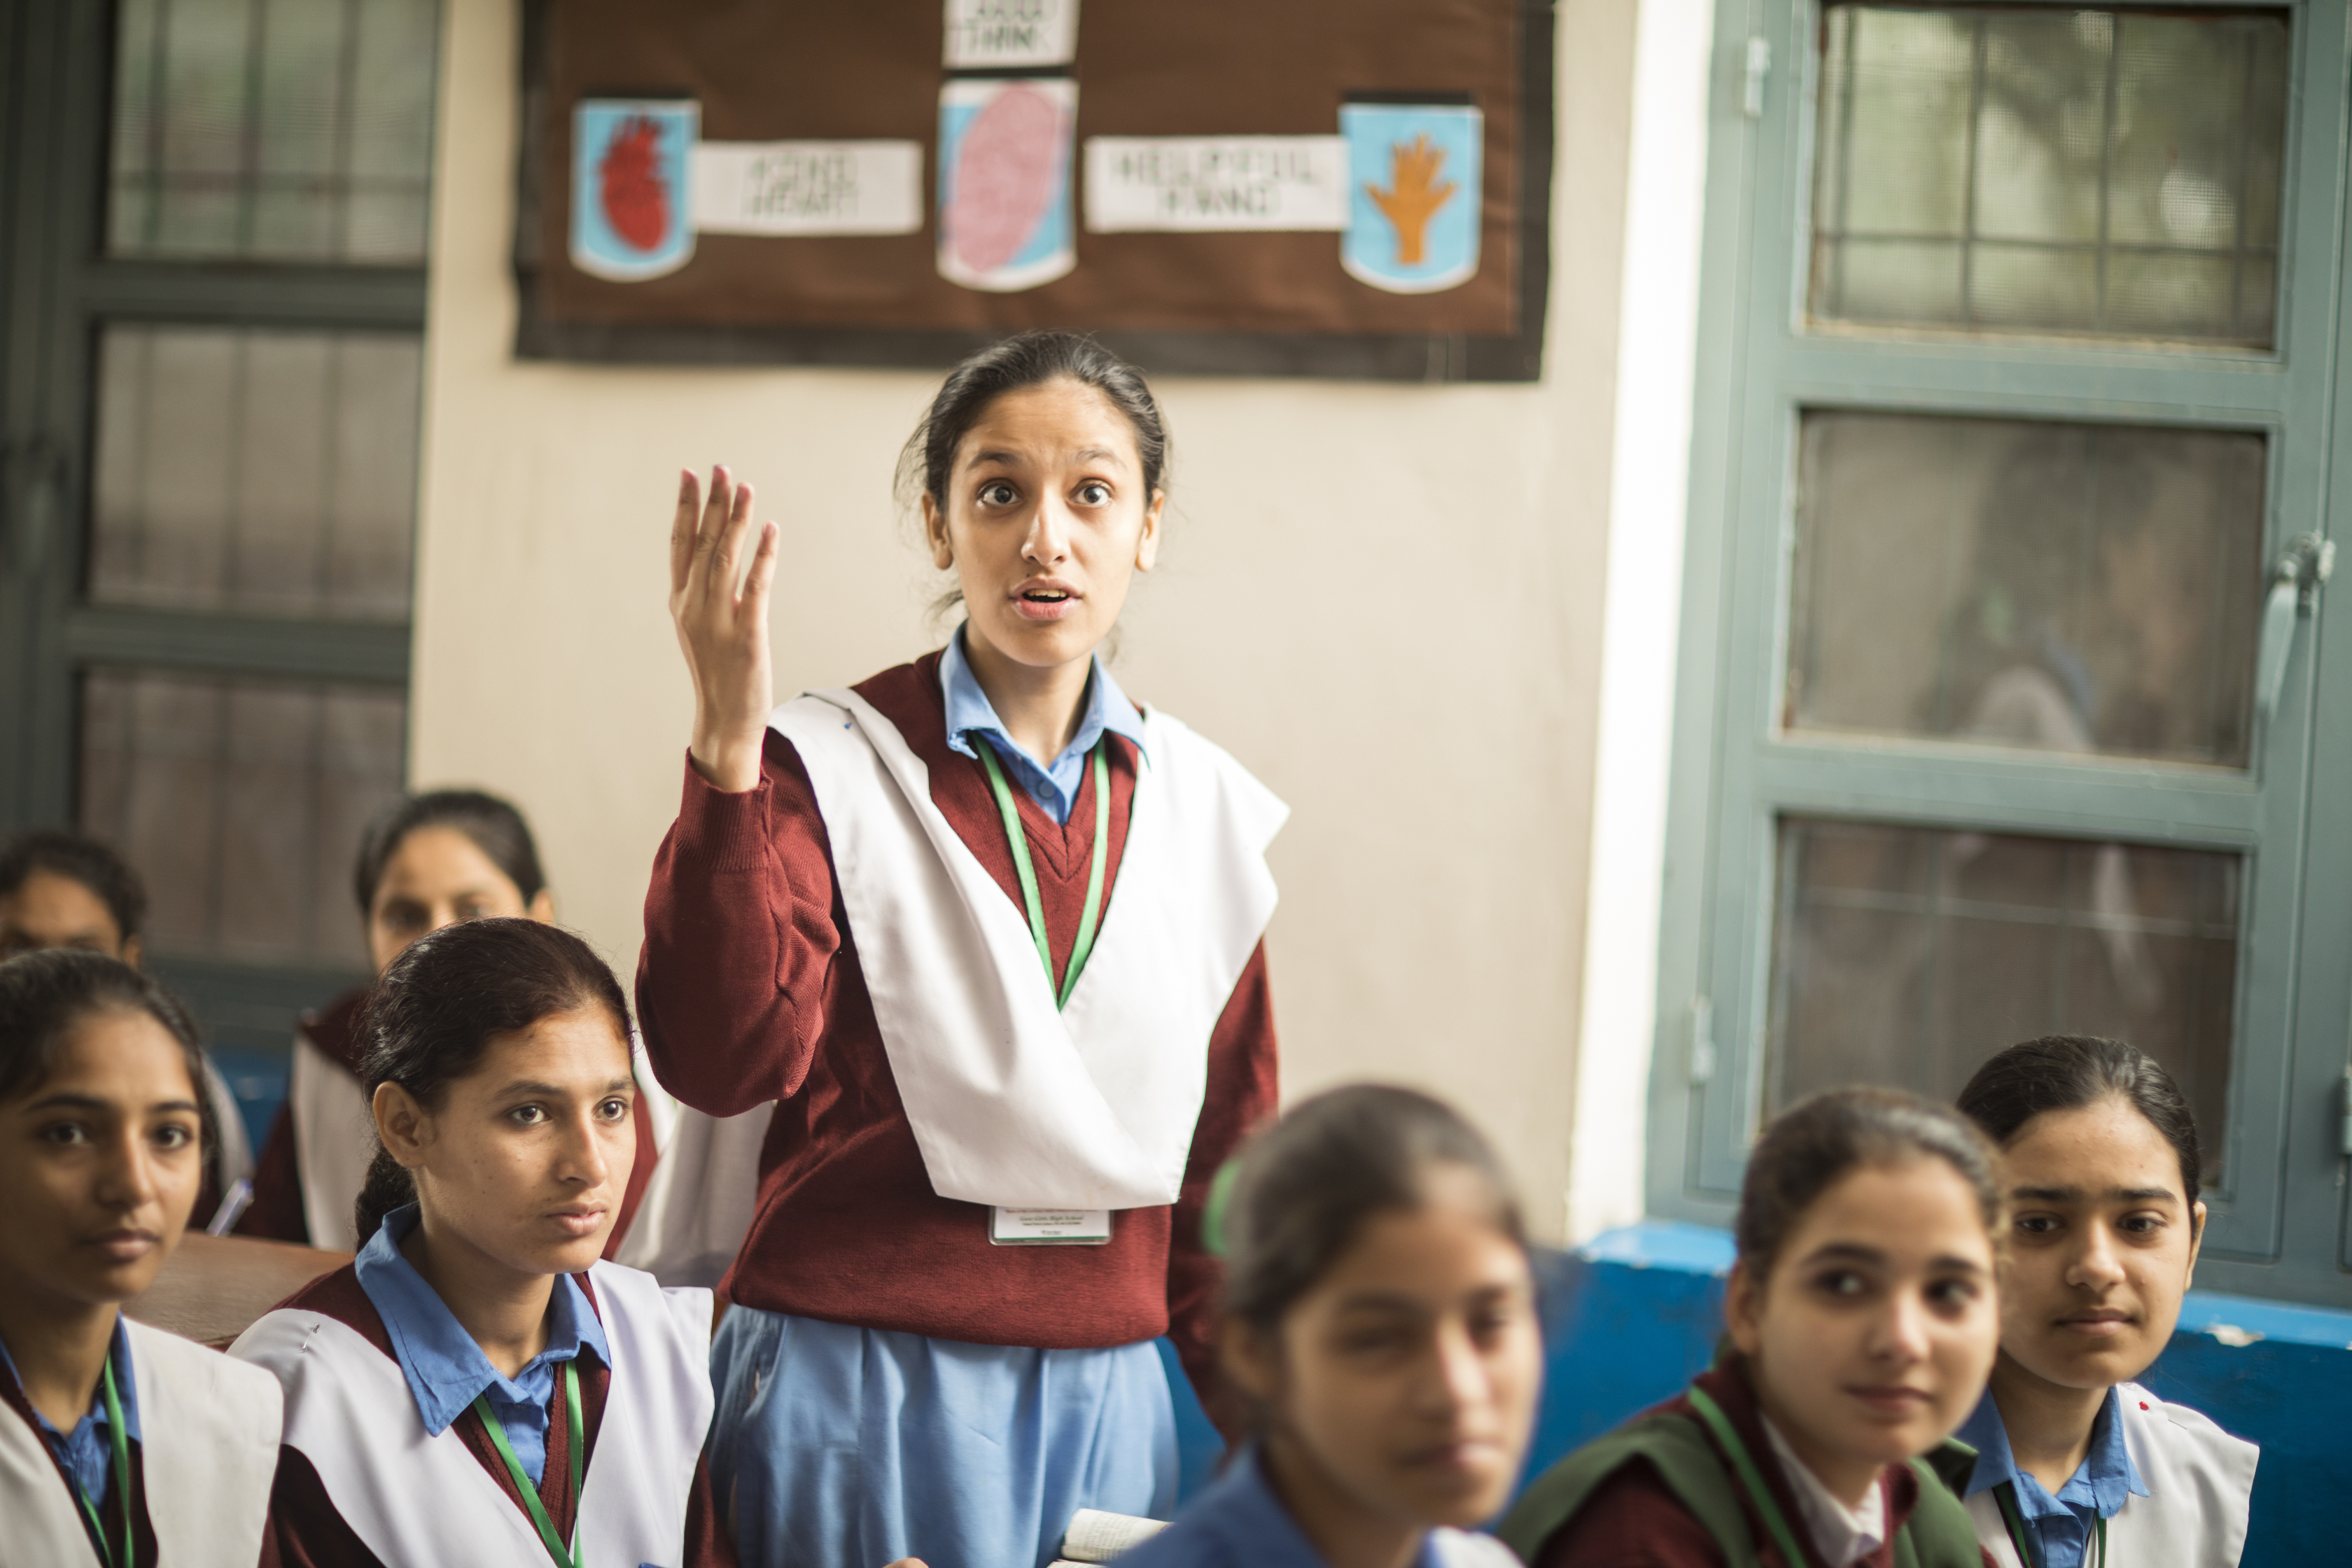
(1380, 1322)
(2074, 1460)
(1862, 1322)
(478, 1387)
(121, 1445)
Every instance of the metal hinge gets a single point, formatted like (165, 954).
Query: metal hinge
(1760, 66)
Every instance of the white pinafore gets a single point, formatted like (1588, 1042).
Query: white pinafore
(2200, 1484)
(207, 1452)
(423, 1500)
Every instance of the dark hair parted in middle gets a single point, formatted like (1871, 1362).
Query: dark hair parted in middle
(2067, 1072)
(45, 995)
(1308, 1185)
(1024, 360)
(493, 826)
(1813, 1144)
(78, 858)
(435, 1010)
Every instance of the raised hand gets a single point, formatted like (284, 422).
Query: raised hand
(720, 610)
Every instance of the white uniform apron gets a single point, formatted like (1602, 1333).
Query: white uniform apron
(1014, 1102)
(2201, 1483)
(334, 1138)
(208, 1451)
(421, 1500)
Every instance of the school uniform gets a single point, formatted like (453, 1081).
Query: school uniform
(1667, 1490)
(1239, 1523)
(850, 940)
(2160, 1483)
(315, 1159)
(201, 1442)
(387, 1459)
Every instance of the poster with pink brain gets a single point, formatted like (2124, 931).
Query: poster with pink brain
(1004, 182)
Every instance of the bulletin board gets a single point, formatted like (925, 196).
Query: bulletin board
(1340, 188)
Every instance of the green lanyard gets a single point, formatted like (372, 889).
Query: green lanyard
(2006, 1494)
(1020, 842)
(572, 1423)
(121, 1440)
(1721, 1425)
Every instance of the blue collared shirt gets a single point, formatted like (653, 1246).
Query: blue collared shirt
(1239, 1520)
(445, 1369)
(88, 1451)
(2060, 1527)
(1055, 788)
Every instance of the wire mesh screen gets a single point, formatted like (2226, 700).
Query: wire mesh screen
(255, 472)
(1906, 956)
(241, 802)
(272, 130)
(2106, 172)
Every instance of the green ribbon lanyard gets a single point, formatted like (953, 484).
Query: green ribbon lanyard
(1085, 945)
(2006, 1494)
(538, 1511)
(121, 1442)
(1728, 1438)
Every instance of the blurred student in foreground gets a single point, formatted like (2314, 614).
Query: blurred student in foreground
(1380, 1323)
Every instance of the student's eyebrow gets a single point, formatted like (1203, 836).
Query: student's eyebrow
(993, 455)
(2143, 1195)
(2047, 1194)
(556, 1091)
(1095, 454)
(1852, 1251)
(66, 1099)
(1952, 1263)
(1381, 1301)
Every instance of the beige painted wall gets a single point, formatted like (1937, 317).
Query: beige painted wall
(1384, 600)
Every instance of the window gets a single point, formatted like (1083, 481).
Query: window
(2004, 711)
(212, 340)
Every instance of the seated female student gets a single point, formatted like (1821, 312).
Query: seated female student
(121, 1443)
(2073, 1460)
(1862, 1322)
(430, 860)
(60, 888)
(1380, 1321)
(478, 1386)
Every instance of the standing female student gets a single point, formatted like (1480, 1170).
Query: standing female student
(1862, 1324)
(477, 1387)
(2074, 1460)
(121, 1443)
(989, 936)
(1380, 1321)
(428, 861)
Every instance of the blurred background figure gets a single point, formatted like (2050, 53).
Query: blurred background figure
(63, 888)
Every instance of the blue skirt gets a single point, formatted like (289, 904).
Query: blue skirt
(836, 1447)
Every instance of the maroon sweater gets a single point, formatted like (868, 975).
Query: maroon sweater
(1633, 1520)
(750, 991)
(306, 1530)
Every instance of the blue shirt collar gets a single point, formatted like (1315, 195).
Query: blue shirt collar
(89, 1449)
(2104, 1481)
(1241, 1509)
(445, 1368)
(1055, 785)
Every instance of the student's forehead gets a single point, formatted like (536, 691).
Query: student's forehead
(51, 895)
(118, 1055)
(2106, 1143)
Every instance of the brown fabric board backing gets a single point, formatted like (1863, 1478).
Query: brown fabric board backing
(1252, 303)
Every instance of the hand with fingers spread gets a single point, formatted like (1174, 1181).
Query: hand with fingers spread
(720, 609)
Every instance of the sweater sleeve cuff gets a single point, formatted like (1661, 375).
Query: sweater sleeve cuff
(727, 831)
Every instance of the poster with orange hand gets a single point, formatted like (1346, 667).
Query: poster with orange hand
(1412, 227)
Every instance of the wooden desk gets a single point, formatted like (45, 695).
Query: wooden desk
(215, 1286)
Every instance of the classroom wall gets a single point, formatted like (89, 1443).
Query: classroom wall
(1385, 600)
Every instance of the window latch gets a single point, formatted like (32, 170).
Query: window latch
(34, 470)
(1702, 1039)
(1760, 66)
(2306, 563)
(2344, 1134)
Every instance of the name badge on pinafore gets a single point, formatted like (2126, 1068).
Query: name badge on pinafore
(1048, 1227)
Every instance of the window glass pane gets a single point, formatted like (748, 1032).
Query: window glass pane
(1906, 956)
(2076, 588)
(240, 803)
(272, 130)
(255, 472)
(1996, 168)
